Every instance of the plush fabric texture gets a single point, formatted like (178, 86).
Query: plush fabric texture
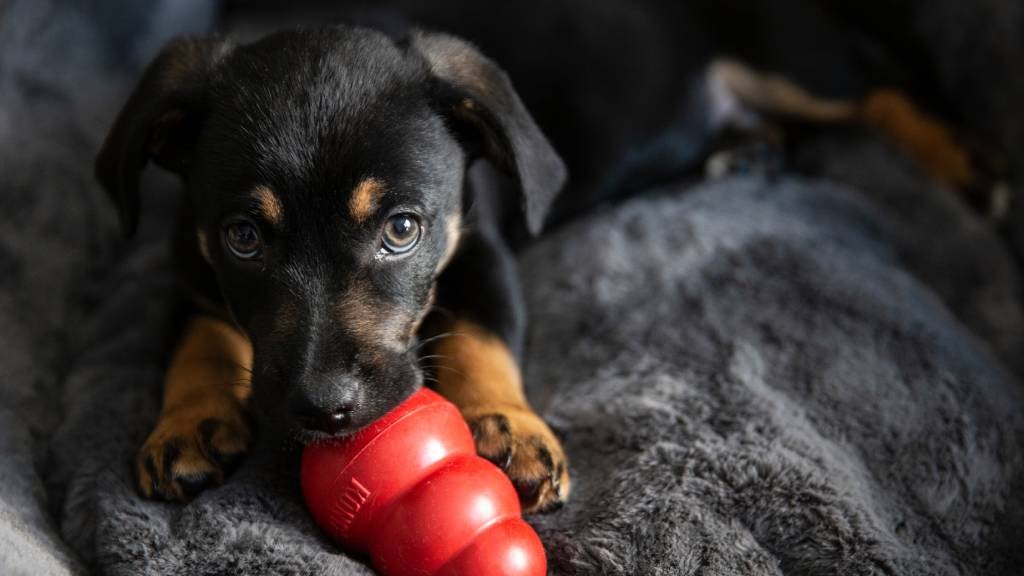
(751, 376)
(750, 383)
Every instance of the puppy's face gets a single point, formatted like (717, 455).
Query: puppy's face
(324, 171)
(327, 195)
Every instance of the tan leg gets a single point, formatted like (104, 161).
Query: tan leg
(892, 113)
(924, 138)
(480, 375)
(203, 427)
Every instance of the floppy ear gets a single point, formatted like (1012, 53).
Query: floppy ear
(475, 92)
(160, 121)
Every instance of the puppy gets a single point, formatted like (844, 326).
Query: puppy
(333, 250)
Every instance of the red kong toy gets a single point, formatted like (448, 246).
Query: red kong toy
(410, 490)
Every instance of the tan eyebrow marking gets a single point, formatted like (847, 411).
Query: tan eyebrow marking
(269, 204)
(363, 201)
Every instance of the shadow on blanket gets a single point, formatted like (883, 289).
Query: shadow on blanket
(751, 377)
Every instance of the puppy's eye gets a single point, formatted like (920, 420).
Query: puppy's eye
(243, 239)
(401, 233)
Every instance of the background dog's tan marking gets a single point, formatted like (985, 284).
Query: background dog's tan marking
(270, 204)
(203, 419)
(775, 95)
(925, 139)
(364, 197)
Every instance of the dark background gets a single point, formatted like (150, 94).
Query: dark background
(604, 78)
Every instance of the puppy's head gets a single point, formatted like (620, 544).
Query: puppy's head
(324, 172)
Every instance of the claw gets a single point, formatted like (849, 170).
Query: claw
(521, 445)
(184, 456)
(193, 484)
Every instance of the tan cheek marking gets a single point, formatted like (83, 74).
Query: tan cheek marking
(358, 317)
(270, 205)
(415, 326)
(453, 232)
(372, 323)
(204, 245)
(364, 197)
(286, 320)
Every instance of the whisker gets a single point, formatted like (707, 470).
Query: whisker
(433, 357)
(426, 341)
(442, 367)
(435, 338)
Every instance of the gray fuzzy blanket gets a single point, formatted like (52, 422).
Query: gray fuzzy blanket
(751, 376)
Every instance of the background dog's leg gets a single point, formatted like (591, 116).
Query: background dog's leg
(923, 137)
(740, 93)
(203, 429)
(474, 359)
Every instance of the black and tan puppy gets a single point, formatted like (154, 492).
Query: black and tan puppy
(333, 248)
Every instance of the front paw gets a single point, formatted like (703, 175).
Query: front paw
(192, 448)
(521, 444)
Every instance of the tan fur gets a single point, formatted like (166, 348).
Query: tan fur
(481, 370)
(773, 94)
(270, 205)
(208, 380)
(364, 199)
(204, 245)
(372, 323)
(482, 378)
(286, 320)
(925, 139)
(453, 233)
(359, 316)
(211, 355)
(414, 328)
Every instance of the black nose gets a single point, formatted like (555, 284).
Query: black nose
(312, 416)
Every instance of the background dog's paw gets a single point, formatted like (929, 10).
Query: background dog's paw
(191, 450)
(522, 445)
